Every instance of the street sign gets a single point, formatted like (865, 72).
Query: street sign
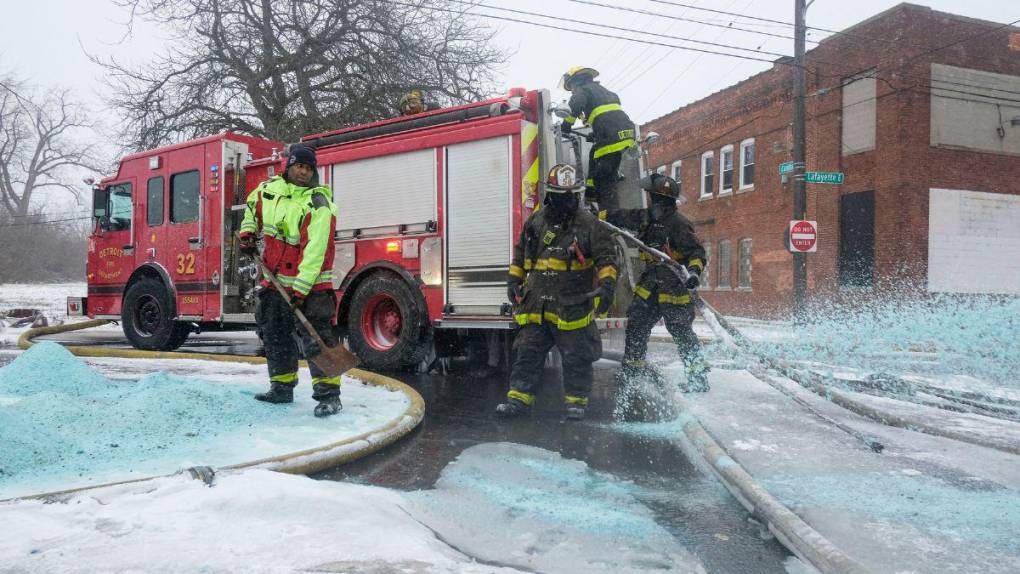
(833, 177)
(786, 167)
(803, 236)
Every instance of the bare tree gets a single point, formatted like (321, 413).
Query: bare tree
(39, 142)
(285, 68)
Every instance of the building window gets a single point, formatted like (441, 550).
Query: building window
(184, 197)
(661, 170)
(705, 282)
(707, 159)
(859, 112)
(744, 264)
(747, 164)
(726, 170)
(723, 277)
(121, 207)
(154, 201)
(677, 175)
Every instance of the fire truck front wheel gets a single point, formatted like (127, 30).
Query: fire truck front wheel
(387, 327)
(147, 318)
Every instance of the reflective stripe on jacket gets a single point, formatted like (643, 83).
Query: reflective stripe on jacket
(297, 225)
(558, 264)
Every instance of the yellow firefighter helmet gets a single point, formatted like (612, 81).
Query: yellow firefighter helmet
(566, 82)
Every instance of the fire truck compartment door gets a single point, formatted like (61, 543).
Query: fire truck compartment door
(478, 222)
(386, 191)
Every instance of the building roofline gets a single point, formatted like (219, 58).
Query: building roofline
(784, 60)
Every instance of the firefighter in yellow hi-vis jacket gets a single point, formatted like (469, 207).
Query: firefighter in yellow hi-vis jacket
(560, 254)
(296, 218)
(659, 292)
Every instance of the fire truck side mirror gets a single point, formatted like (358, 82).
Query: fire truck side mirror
(100, 202)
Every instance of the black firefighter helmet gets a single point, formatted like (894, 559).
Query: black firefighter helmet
(662, 185)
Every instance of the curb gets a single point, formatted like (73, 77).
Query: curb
(791, 530)
(306, 461)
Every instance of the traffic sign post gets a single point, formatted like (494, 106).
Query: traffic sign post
(803, 236)
(830, 177)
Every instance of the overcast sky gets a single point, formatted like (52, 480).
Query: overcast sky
(44, 41)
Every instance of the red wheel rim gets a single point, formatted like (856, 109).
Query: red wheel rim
(381, 322)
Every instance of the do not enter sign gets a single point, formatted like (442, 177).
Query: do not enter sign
(803, 236)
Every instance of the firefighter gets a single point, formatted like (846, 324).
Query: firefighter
(612, 131)
(558, 257)
(296, 218)
(660, 292)
(413, 102)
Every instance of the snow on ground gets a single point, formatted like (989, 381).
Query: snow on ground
(65, 424)
(552, 512)
(50, 298)
(503, 504)
(252, 521)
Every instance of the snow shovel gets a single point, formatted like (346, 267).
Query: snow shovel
(333, 361)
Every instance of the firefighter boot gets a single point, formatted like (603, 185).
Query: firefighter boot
(697, 376)
(328, 395)
(575, 407)
(277, 393)
(512, 408)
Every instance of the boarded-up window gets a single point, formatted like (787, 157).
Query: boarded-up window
(973, 242)
(859, 113)
(973, 109)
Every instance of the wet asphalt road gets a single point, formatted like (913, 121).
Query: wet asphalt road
(687, 501)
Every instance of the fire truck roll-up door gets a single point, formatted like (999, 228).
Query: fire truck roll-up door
(478, 225)
(376, 196)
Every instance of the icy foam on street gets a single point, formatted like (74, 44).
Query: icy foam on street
(64, 425)
(553, 514)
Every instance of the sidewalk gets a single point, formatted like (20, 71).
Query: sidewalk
(926, 504)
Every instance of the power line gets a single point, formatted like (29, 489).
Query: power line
(48, 222)
(591, 33)
(609, 26)
(670, 16)
(724, 12)
(631, 68)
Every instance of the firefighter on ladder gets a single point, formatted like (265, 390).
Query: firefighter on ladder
(660, 293)
(296, 218)
(612, 130)
(558, 257)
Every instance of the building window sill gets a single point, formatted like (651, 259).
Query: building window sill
(745, 289)
(746, 189)
(723, 289)
(705, 198)
(725, 192)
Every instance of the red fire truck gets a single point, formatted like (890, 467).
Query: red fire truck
(429, 208)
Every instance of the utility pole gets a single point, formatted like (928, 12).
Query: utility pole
(799, 157)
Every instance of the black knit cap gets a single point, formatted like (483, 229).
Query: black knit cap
(302, 154)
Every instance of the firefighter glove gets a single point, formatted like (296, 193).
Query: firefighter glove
(248, 245)
(297, 300)
(606, 291)
(514, 291)
(566, 127)
(590, 136)
(693, 281)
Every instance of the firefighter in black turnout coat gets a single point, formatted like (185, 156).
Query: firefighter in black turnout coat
(612, 130)
(660, 292)
(561, 253)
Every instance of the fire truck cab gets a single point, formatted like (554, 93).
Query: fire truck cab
(429, 208)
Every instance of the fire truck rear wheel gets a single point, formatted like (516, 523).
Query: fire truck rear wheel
(387, 327)
(147, 319)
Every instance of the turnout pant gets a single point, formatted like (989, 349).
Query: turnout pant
(603, 176)
(579, 348)
(284, 338)
(642, 316)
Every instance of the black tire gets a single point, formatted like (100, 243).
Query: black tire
(147, 317)
(387, 327)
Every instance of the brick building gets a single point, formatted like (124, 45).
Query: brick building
(919, 109)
